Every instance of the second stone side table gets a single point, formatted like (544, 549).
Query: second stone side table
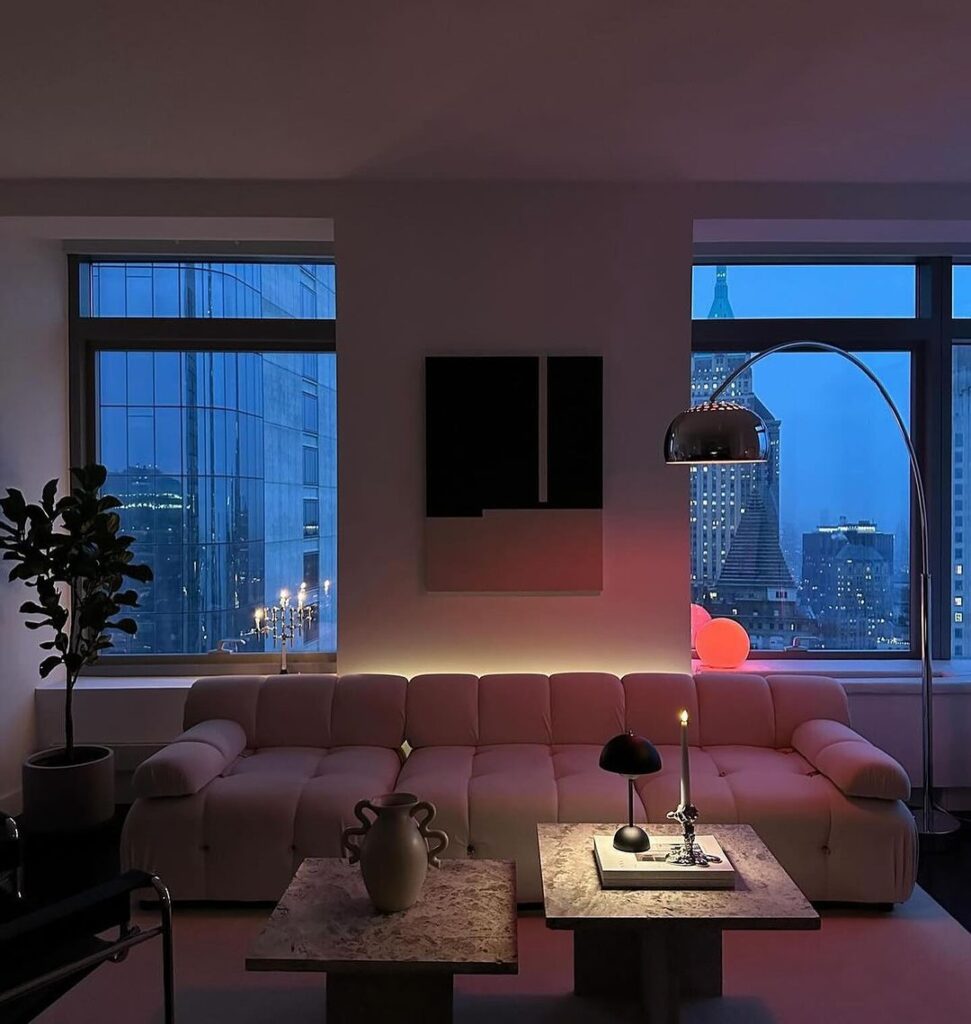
(660, 945)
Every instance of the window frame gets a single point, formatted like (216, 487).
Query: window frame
(88, 336)
(928, 337)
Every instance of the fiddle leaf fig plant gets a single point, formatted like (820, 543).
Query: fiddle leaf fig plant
(71, 552)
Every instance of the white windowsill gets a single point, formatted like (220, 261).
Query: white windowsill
(856, 673)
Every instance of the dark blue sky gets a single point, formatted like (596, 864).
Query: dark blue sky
(841, 451)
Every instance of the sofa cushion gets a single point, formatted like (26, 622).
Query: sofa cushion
(441, 775)
(294, 762)
(227, 697)
(197, 757)
(584, 791)
(443, 710)
(653, 700)
(295, 711)
(513, 786)
(735, 708)
(797, 699)
(853, 764)
(369, 711)
(514, 708)
(710, 792)
(586, 707)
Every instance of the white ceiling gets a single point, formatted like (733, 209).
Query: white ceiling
(737, 90)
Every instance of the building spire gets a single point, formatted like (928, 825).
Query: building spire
(721, 307)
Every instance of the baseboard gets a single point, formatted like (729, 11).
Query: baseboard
(10, 802)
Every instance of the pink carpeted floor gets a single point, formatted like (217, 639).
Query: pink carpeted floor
(912, 966)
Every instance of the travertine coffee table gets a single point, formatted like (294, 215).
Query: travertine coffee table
(392, 966)
(659, 945)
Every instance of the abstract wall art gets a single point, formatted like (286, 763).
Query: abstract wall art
(514, 474)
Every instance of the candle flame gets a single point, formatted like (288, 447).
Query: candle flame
(683, 716)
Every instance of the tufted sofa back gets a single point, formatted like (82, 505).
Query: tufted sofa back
(589, 707)
(454, 709)
(305, 710)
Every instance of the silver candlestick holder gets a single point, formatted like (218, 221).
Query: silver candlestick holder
(688, 853)
(284, 622)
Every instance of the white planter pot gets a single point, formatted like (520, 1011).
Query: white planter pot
(62, 797)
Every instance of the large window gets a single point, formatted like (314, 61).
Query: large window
(219, 436)
(810, 551)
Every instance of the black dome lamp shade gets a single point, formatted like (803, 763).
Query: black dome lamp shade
(716, 432)
(632, 756)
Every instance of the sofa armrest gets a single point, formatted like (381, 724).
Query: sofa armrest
(191, 761)
(853, 764)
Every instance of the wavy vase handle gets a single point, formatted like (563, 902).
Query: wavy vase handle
(435, 835)
(353, 850)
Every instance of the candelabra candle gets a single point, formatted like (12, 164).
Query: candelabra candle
(283, 622)
(688, 852)
(685, 762)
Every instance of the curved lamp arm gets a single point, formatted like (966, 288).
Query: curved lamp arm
(930, 819)
(822, 346)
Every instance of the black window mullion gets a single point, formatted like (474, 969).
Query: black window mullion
(88, 336)
(860, 335)
(922, 336)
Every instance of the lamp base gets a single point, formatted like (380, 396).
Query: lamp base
(935, 822)
(631, 839)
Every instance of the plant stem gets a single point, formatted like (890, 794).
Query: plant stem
(71, 677)
(69, 719)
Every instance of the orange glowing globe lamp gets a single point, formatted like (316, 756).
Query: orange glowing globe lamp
(699, 616)
(722, 643)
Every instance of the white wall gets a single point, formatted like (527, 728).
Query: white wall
(33, 448)
(421, 269)
(576, 270)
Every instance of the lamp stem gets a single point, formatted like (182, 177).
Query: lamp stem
(931, 820)
(630, 801)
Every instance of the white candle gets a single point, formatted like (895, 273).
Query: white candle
(685, 764)
(258, 616)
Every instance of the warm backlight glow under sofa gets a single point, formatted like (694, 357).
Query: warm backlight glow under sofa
(269, 769)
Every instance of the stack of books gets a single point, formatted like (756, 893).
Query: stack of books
(652, 870)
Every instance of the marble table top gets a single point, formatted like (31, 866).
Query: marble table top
(463, 923)
(764, 896)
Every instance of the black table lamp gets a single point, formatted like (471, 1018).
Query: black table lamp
(632, 756)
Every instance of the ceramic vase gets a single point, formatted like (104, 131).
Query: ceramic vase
(394, 848)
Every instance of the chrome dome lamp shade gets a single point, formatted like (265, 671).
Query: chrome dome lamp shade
(716, 432)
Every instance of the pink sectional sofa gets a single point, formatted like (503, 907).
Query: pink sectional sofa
(270, 768)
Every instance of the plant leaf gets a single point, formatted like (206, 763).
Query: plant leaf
(48, 665)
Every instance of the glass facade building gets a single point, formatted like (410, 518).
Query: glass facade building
(225, 461)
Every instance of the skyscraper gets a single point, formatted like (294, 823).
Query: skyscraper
(721, 306)
(961, 471)
(848, 581)
(719, 493)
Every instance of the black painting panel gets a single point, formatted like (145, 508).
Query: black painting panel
(574, 431)
(481, 434)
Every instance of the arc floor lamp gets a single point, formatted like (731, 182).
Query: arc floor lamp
(718, 432)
